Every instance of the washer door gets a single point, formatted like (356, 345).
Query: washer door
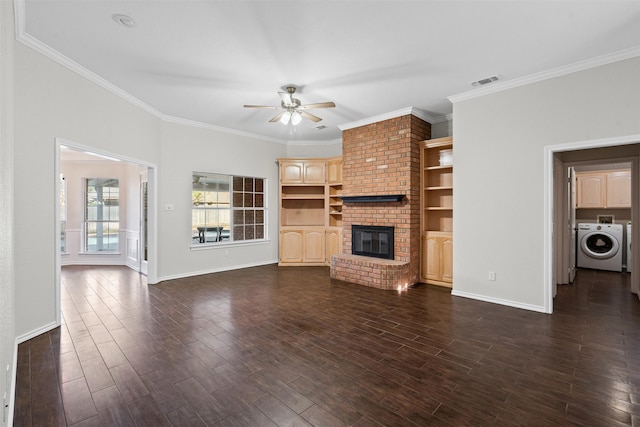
(599, 245)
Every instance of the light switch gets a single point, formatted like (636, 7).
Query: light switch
(169, 207)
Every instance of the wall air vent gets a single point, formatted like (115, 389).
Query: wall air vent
(485, 81)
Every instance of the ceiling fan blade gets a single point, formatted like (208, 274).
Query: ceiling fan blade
(309, 116)
(318, 105)
(269, 107)
(277, 118)
(287, 98)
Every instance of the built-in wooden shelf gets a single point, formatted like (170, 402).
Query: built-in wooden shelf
(437, 214)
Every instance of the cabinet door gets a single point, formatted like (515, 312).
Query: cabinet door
(334, 171)
(315, 172)
(291, 246)
(619, 189)
(446, 259)
(292, 172)
(333, 242)
(431, 257)
(314, 242)
(591, 190)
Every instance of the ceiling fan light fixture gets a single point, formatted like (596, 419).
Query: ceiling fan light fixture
(286, 116)
(293, 110)
(296, 118)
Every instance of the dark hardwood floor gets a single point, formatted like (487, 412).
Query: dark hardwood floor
(271, 346)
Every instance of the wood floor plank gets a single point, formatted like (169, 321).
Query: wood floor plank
(289, 346)
(111, 407)
(185, 416)
(69, 367)
(97, 374)
(128, 382)
(111, 354)
(146, 412)
(78, 403)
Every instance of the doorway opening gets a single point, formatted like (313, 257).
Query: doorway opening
(104, 212)
(560, 235)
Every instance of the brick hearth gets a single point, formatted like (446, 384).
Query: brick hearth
(378, 159)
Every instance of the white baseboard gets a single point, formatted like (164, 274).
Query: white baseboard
(93, 262)
(36, 332)
(133, 266)
(214, 270)
(12, 387)
(530, 307)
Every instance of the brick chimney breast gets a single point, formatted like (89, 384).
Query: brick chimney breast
(379, 159)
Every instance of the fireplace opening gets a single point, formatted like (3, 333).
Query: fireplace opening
(373, 241)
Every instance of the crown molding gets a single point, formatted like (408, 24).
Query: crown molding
(325, 143)
(23, 37)
(195, 124)
(441, 119)
(56, 56)
(391, 115)
(548, 74)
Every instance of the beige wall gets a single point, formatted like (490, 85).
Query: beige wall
(441, 129)
(315, 150)
(7, 307)
(499, 145)
(210, 151)
(55, 104)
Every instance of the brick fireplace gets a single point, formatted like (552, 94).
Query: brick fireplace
(382, 158)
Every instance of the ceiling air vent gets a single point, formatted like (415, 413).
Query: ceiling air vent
(320, 127)
(485, 81)
(124, 20)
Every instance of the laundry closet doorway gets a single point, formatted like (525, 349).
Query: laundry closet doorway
(615, 153)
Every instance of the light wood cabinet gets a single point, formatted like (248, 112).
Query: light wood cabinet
(603, 189)
(333, 242)
(446, 261)
(436, 219)
(334, 171)
(302, 246)
(303, 172)
(619, 189)
(310, 210)
(314, 246)
(437, 258)
(591, 190)
(291, 246)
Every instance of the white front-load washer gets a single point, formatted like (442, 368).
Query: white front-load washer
(600, 246)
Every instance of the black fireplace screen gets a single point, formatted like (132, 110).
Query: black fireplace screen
(374, 241)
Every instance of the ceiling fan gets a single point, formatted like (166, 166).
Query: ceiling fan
(293, 110)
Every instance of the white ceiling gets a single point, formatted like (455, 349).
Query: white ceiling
(202, 60)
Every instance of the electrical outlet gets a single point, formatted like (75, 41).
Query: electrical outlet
(492, 276)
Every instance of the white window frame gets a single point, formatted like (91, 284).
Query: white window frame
(86, 220)
(230, 234)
